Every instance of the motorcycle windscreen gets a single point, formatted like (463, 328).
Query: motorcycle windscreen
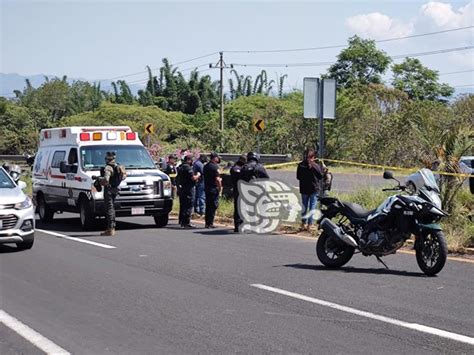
(426, 186)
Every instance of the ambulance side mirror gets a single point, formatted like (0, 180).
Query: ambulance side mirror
(63, 167)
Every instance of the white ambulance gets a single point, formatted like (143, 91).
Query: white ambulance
(68, 158)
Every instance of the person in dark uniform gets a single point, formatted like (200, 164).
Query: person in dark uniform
(213, 187)
(186, 181)
(235, 176)
(200, 198)
(171, 171)
(253, 169)
(110, 193)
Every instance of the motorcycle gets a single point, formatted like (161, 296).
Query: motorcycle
(348, 228)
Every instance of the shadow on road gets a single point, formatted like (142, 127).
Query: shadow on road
(349, 269)
(5, 249)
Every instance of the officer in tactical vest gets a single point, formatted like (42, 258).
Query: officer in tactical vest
(110, 193)
(235, 177)
(253, 169)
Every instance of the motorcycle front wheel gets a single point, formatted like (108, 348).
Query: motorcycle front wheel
(331, 252)
(432, 252)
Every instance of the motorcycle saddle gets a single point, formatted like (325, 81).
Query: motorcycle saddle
(355, 210)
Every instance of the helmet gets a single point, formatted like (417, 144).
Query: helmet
(253, 156)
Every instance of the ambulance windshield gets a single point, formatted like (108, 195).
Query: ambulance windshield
(131, 156)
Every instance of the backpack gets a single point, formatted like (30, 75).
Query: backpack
(118, 176)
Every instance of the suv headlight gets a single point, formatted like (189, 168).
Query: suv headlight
(24, 204)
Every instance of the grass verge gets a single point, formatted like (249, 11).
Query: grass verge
(458, 228)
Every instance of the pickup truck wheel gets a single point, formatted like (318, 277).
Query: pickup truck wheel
(161, 220)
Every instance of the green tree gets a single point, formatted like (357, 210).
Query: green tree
(361, 62)
(419, 82)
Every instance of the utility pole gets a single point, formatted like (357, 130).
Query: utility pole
(221, 65)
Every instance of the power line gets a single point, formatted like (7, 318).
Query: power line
(457, 72)
(175, 64)
(316, 64)
(345, 45)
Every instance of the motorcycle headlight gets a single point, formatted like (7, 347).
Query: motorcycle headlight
(24, 204)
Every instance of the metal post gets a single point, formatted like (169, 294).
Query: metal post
(321, 125)
(221, 67)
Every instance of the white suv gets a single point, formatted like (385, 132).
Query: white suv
(17, 218)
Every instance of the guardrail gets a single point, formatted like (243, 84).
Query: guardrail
(15, 158)
(264, 158)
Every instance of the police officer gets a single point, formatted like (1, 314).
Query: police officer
(213, 187)
(110, 193)
(186, 181)
(171, 171)
(200, 198)
(235, 176)
(253, 169)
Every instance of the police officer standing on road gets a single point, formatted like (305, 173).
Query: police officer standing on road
(171, 171)
(213, 187)
(110, 193)
(253, 169)
(186, 181)
(235, 177)
(200, 198)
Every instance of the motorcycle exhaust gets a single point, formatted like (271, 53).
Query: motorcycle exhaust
(334, 231)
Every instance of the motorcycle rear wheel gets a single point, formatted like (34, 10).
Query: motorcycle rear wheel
(432, 252)
(333, 253)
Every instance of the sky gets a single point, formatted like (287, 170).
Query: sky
(96, 40)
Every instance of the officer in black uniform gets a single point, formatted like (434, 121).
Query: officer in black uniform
(253, 169)
(235, 176)
(171, 171)
(213, 187)
(186, 181)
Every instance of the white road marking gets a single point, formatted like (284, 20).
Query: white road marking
(414, 326)
(77, 239)
(31, 335)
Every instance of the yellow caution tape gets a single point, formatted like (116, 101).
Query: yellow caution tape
(365, 165)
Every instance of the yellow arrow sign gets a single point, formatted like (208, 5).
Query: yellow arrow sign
(258, 124)
(149, 128)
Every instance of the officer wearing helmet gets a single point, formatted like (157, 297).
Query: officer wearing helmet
(110, 193)
(253, 169)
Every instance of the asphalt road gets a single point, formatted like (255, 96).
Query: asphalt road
(163, 291)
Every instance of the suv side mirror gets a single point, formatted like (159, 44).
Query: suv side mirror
(63, 167)
(388, 175)
(22, 185)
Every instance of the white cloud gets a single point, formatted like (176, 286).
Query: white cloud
(379, 26)
(444, 16)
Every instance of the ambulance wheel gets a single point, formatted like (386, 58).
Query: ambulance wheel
(87, 218)
(45, 212)
(161, 220)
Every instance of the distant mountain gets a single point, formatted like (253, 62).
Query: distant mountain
(11, 82)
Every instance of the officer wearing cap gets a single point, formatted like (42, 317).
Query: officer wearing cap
(235, 177)
(253, 169)
(110, 193)
(171, 171)
(186, 181)
(213, 187)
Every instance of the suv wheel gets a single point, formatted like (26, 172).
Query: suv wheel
(161, 220)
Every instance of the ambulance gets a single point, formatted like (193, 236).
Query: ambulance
(67, 160)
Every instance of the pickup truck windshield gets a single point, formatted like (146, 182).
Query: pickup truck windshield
(131, 156)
